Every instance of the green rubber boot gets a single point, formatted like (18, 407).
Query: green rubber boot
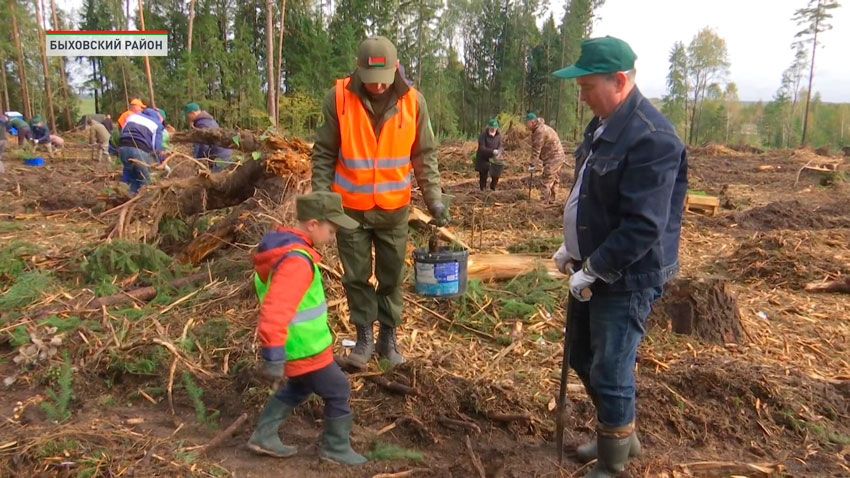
(588, 452)
(613, 456)
(336, 442)
(265, 439)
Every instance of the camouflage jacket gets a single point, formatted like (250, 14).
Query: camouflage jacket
(545, 145)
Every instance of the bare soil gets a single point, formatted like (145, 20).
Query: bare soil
(779, 396)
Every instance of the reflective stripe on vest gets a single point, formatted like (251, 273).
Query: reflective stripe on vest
(373, 171)
(308, 330)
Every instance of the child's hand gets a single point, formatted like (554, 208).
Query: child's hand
(274, 369)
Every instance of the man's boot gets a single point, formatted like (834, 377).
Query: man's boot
(613, 455)
(336, 441)
(265, 439)
(589, 451)
(364, 347)
(387, 347)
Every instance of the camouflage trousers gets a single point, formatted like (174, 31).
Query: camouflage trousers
(551, 179)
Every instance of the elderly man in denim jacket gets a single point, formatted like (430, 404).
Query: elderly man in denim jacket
(622, 223)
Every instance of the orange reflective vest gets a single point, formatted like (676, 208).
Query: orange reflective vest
(373, 171)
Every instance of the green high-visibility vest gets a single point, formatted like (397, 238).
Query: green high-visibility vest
(308, 330)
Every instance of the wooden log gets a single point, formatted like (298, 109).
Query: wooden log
(831, 286)
(507, 266)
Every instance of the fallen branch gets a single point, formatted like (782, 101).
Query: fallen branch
(507, 266)
(225, 434)
(459, 424)
(394, 387)
(377, 379)
(401, 474)
(718, 469)
(832, 286)
(508, 417)
(476, 461)
(142, 294)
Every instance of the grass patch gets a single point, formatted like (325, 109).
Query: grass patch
(388, 452)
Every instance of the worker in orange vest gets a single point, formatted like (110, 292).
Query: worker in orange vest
(375, 137)
(136, 106)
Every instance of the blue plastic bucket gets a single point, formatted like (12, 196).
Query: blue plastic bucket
(440, 274)
(34, 161)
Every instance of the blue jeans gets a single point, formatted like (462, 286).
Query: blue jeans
(328, 382)
(134, 174)
(603, 350)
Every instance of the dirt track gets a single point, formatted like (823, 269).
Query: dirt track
(781, 398)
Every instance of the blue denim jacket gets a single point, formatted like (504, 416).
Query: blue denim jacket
(632, 194)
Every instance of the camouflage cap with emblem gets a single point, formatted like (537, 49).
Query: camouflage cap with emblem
(376, 60)
(323, 206)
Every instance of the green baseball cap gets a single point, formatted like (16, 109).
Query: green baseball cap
(530, 117)
(191, 108)
(162, 113)
(376, 60)
(324, 206)
(36, 119)
(600, 55)
(493, 124)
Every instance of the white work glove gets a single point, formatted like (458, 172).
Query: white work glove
(562, 260)
(578, 282)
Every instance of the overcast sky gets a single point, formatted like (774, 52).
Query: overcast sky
(758, 35)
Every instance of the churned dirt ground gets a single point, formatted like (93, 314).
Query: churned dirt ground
(152, 383)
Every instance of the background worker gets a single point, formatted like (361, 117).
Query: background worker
(622, 222)
(219, 157)
(99, 138)
(546, 147)
(41, 134)
(136, 106)
(376, 132)
(140, 144)
(489, 148)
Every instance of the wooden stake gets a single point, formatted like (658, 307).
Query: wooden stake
(147, 60)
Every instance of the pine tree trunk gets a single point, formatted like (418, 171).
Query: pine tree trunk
(147, 60)
(272, 89)
(25, 95)
(6, 105)
(280, 59)
(41, 43)
(811, 78)
(191, 24)
(69, 122)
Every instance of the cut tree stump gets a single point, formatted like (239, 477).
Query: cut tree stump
(706, 308)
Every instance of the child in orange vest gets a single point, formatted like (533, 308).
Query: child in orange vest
(293, 329)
